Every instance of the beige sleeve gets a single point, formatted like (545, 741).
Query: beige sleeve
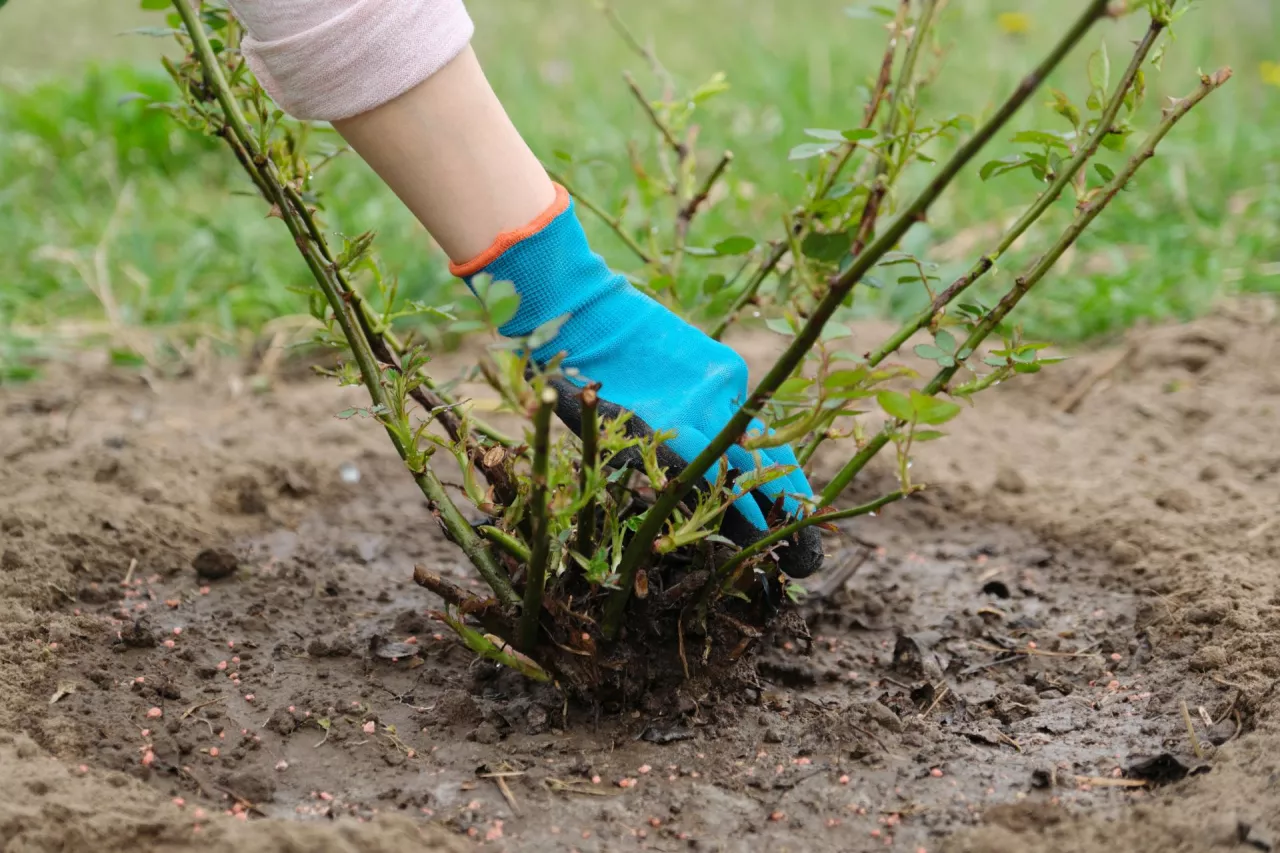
(333, 59)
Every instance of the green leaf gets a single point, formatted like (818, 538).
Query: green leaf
(894, 258)
(931, 410)
(713, 283)
(347, 413)
(127, 358)
(926, 435)
(793, 387)
(546, 333)
(499, 298)
(932, 353)
(826, 247)
(896, 405)
(714, 86)
(779, 325)
(416, 306)
(846, 378)
(1116, 141)
(795, 592)
(995, 168)
(150, 32)
(466, 327)
(823, 133)
(1157, 58)
(753, 480)
(1099, 69)
(805, 150)
(835, 331)
(700, 251)
(1062, 106)
(1104, 171)
(1042, 137)
(945, 341)
(502, 310)
(859, 134)
(735, 245)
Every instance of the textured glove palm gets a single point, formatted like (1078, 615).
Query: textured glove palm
(667, 373)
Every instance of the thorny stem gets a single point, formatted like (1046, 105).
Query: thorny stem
(886, 67)
(387, 347)
(590, 456)
(677, 146)
(536, 577)
(1087, 212)
(506, 542)
(433, 397)
(678, 487)
(1037, 209)
(731, 565)
(264, 175)
(982, 383)
(749, 290)
(614, 223)
(780, 251)
(624, 32)
(880, 183)
(690, 209)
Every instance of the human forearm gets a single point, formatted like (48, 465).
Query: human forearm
(399, 80)
(449, 151)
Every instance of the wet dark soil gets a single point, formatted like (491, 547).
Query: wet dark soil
(211, 637)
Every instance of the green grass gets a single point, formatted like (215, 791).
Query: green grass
(100, 193)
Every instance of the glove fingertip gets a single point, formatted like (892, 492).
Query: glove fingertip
(803, 555)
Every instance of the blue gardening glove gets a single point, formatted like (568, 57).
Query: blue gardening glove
(667, 373)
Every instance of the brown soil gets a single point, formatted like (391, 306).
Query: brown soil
(1018, 640)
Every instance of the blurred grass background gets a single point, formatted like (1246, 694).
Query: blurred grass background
(112, 217)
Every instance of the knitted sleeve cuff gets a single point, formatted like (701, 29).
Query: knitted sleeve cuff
(360, 55)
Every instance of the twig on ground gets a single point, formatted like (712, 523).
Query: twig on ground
(500, 778)
(1076, 395)
(128, 575)
(194, 708)
(942, 694)
(1191, 729)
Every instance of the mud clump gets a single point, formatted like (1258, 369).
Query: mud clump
(1209, 658)
(215, 564)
